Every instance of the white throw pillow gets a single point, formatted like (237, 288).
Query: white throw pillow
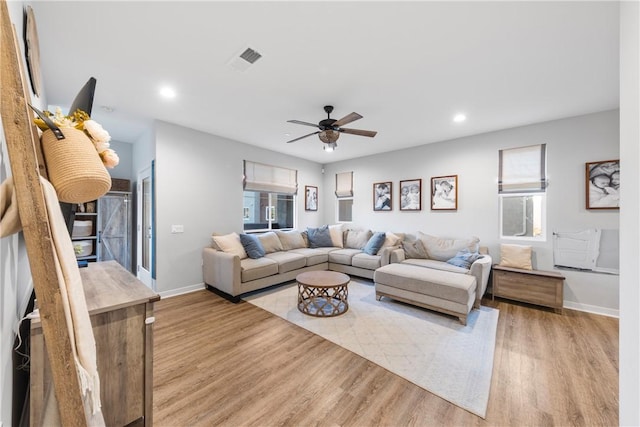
(230, 243)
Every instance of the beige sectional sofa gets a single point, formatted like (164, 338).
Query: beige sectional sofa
(414, 268)
(230, 272)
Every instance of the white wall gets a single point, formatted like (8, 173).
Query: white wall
(630, 214)
(199, 186)
(570, 144)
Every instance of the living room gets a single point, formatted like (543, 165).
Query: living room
(196, 172)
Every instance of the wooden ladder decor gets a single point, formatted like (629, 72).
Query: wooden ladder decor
(24, 153)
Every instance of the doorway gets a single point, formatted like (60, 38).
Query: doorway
(145, 229)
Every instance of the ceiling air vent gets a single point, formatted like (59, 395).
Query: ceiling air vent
(245, 59)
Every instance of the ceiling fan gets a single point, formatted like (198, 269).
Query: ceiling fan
(330, 129)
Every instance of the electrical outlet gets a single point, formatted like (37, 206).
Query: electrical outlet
(177, 229)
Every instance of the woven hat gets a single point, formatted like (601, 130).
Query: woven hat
(74, 166)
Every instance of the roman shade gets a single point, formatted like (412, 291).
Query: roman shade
(344, 184)
(269, 179)
(523, 169)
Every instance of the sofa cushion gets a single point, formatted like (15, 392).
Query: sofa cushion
(270, 242)
(230, 243)
(337, 235)
(291, 239)
(436, 265)
(319, 237)
(313, 256)
(252, 245)
(374, 244)
(440, 284)
(414, 249)
(443, 249)
(343, 256)
(357, 239)
(515, 256)
(464, 258)
(287, 261)
(253, 269)
(364, 260)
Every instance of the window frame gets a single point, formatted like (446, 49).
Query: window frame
(543, 213)
(338, 200)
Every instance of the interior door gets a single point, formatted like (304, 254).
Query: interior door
(145, 228)
(114, 235)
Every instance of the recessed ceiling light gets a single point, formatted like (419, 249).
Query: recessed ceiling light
(459, 118)
(167, 92)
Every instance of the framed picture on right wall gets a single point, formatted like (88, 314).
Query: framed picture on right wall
(602, 184)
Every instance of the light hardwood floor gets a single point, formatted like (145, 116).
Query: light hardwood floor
(223, 364)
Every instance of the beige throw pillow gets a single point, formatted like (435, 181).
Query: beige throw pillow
(443, 249)
(270, 242)
(515, 256)
(230, 243)
(291, 239)
(336, 235)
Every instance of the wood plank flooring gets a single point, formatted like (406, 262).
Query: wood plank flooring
(223, 364)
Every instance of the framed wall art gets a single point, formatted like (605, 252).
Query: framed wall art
(383, 196)
(411, 195)
(602, 184)
(444, 193)
(310, 198)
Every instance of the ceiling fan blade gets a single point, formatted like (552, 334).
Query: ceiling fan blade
(370, 133)
(347, 119)
(298, 122)
(297, 139)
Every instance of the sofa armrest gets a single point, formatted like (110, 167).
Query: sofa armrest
(396, 255)
(385, 254)
(481, 269)
(221, 270)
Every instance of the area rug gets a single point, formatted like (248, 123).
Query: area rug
(431, 350)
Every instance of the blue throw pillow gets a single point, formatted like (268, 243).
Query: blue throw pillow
(374, 244)
(252, 246)
(319, 237)
(464, 258)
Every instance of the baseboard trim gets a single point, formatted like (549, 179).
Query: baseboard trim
(182, 291)
(603, 311)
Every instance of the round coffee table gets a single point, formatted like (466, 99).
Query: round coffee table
(323, 293)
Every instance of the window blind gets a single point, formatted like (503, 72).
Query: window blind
(523, 169)
(269, 179)
(344, 184)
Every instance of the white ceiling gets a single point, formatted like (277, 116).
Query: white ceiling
(407, 67)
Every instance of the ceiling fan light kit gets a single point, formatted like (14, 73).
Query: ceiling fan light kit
(329, 147)
(330, 129)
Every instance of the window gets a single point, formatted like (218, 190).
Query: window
(522, 216)
(269, 197)
(521, 185)
(268, 211)
(344, 194)
(345, 210)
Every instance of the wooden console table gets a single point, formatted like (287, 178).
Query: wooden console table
(545, 288)
(121, 311)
